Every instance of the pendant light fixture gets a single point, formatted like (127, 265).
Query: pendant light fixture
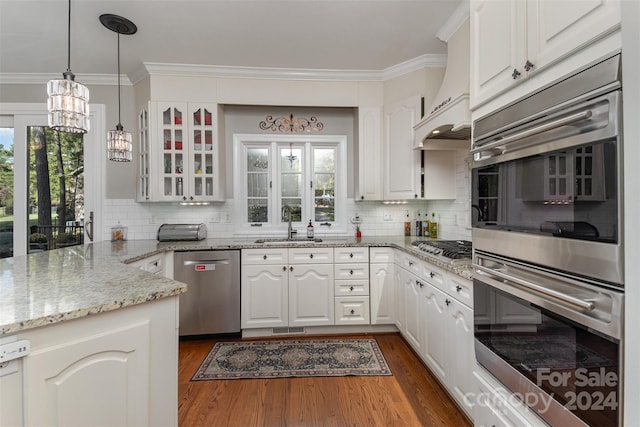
(119, 146)
(68, 100)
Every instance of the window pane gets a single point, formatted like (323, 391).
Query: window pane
(290, 159)
(257, 185)
(324, 160)
(257, 159)
(257, 210)
(295, 205)
(6, 192)
(291, 185)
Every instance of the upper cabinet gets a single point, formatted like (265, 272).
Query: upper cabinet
(179, 158)
(369, 153)
(401, 162)
(514, 39)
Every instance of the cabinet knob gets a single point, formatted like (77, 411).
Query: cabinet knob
(351, 272)
(447, 302)
(190, 197)
(264, 257)
(350, 255)
(184, 197)
(284, 268)
(415, 196)
(351, 288)
(458, 288)
(419, 283)
(291, 268)
(528, 66)
(410, 263)
(353, 311)
(431, 274)
(311, 256)
(361, 197)
(515, 74)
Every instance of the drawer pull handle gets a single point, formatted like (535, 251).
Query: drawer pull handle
(353, 311)
(351, 289)
(291, 268)
(311, 256)
(515, 74)
(351, 272)
(410, 263)
(419, 283)
(447, 302)
(431, 274)
(350, 255)
(458, 288)
(284, 268)
(264, 257)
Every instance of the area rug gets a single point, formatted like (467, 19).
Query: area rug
(292, 358)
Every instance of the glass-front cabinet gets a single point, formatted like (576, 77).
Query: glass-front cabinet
(183, 145)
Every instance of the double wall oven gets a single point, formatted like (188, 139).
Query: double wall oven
(548, 247)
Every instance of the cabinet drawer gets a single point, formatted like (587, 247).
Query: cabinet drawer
(380, 255)
(264, 256)
(154, 264)
(310, 255)
(408, 262)
(351, 287)
(351, 271)
(461, 289)
(351, 254)
(434, 275)
(352, 311)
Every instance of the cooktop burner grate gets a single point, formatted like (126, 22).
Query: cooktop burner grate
(452, 249)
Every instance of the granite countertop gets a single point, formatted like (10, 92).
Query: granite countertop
(54, 286)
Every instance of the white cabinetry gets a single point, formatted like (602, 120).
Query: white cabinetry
(157, 264)
(512, 39)
(287, 287)
(401, 161)
(179, 157)
(114, 368)
(351, 272)
(369, 153)
(381, 287)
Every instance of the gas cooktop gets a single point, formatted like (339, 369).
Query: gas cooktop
(451, 250)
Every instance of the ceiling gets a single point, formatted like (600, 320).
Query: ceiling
(305, 34)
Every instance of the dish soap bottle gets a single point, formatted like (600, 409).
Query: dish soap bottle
(433, 227)
(310, 230)
(418, 225)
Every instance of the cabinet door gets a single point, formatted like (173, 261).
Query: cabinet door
(204, 166)
(498, 46)
(558, 28)
(398, 297)
(382, 296)
(100, 380)
(144, 182)
(170, 144)
(435, 333)
(311, 295)
(265, 298)
(369, 153)
(412, 325)
(461, 353)
(401, 161)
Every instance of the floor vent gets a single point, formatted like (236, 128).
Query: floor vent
(294, 330)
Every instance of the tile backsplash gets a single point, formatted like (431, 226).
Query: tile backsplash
(377, 218)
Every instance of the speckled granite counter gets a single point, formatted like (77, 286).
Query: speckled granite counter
(64, 284)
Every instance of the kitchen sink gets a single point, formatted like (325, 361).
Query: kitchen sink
(285, 241)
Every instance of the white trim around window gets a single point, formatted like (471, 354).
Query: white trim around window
(274, 226)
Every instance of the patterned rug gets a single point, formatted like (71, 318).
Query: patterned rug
(292, 358)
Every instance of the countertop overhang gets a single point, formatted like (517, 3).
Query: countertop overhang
(64, 284)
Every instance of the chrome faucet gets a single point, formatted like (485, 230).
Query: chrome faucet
(290, 230)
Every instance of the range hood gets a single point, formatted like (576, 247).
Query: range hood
(448, 121)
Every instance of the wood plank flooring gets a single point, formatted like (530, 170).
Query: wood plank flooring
(410, 397)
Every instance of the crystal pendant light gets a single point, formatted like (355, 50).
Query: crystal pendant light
(68, 100)
(119, 146)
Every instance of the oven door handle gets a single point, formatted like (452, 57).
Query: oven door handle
(583, 115)
(584, 305)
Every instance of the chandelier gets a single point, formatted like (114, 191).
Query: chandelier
(119, 146)
(68, 100)
(291, 124)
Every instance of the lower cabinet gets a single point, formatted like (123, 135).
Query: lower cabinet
(287, 287)
(381, 284)
(113, 368)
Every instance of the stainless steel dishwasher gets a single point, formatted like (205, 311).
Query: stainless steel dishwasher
(211, 304)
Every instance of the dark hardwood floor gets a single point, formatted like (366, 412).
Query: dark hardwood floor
(410, 397)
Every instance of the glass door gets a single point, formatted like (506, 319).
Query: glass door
(6, 189)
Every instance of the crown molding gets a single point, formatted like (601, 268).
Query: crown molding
(43, 78)
(418, 63)
(457, 18)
